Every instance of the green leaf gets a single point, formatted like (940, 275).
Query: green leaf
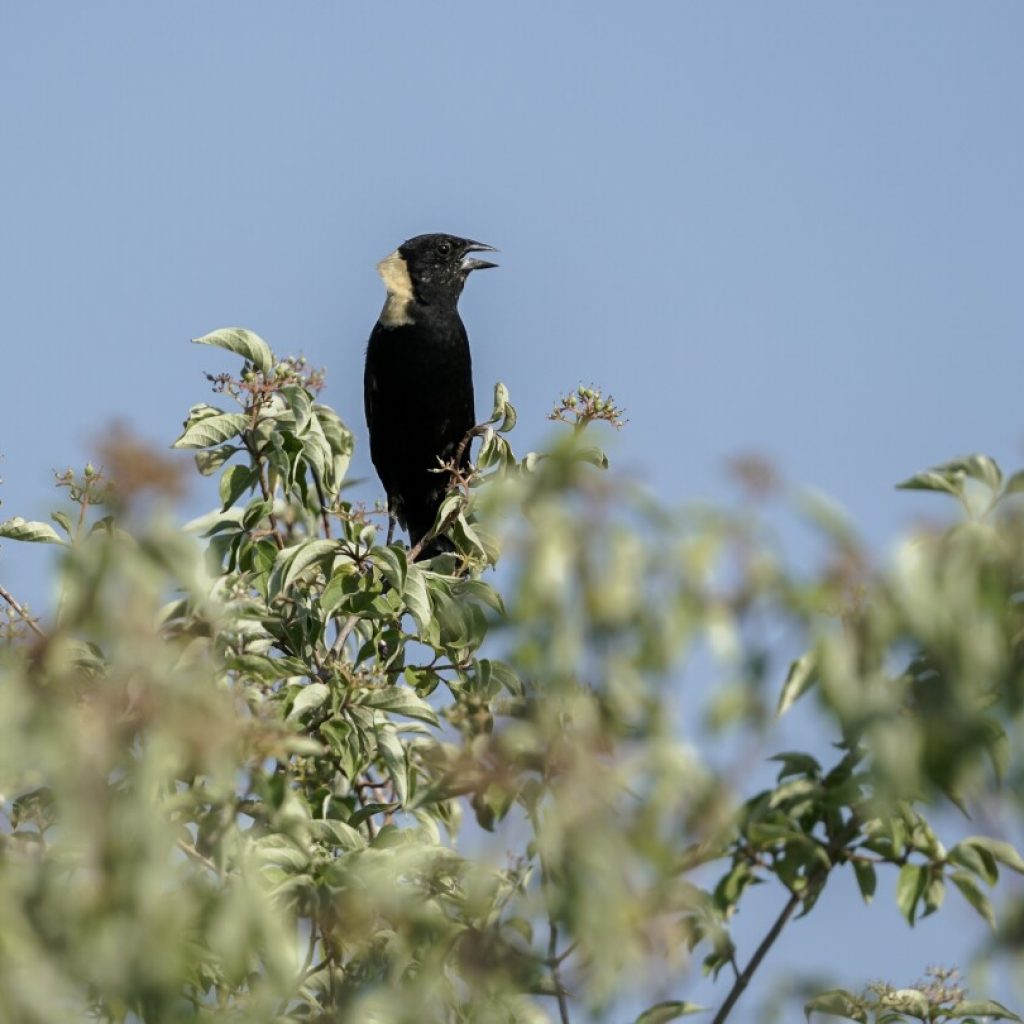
(31, 532)
(971, 891)
(1002, 851)
(416, 598)
(798, 681)
(344, 588)
(838, 1003)
(398, 699)
(317, 453)
(63, 521)
(504, 675)
(212, 430)
(369, 810)
(672, 1009)
(339, 437)
(910, 888)
(500, 400)
(234, 482)
(934, 894)
(393, 563)
(796, 762)
(794, 790)
(867, 879)
(244, 343)
(282, 852)
(908, 1000)
(36, 807)
(1015, 484)
(292, 562)
(980, 861)
(337, 833)
(260, 666)
(208, 462)
(983, 1008)
(978, 467)
(503, 414)
(310, 697)
(595, 456)
(466, 537)
(392, 753)
(931, 481)
(300, 403)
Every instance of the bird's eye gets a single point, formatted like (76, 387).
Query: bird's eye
(444, 248)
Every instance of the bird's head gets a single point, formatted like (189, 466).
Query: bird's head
(431, 269)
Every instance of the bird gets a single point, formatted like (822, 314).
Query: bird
(418, 377)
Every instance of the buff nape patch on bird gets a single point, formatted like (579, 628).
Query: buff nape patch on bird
(394, 272)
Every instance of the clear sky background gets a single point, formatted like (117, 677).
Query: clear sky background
(789, 227)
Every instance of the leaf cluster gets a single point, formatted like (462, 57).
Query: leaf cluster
(252, 768)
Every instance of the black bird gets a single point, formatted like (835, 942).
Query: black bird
(418, 381)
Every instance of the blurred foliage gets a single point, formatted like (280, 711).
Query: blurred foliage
(249, 769)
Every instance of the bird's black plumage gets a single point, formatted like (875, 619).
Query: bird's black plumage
(418, 381)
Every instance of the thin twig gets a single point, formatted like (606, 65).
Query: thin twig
(9, 598)
(343, 634)
(323, 506)
(192, 852)
(310, 949)
(553, 960)
(416, 550)
(743, 979)
(262, 476)
(564, 955)
(735, 966)
(476, 431)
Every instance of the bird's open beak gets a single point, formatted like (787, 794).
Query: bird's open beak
(468, 264)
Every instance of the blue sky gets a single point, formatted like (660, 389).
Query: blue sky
(794, 228)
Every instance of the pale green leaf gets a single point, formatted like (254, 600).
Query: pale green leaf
(908, 1000)
(931, 481)
(234, 482)
(63, 520)
(292, 562)
(909, 889)
(1015, 484)
(393, 563)
(503, 414)
(415, 596)
(1002, 851)
(798, 681)
(838, 1003)
(467, 536)
(212, 430)
(500, 400)
(337, 833)
(208, 462)
(867, 879)
(310, 697)
(31, 532)
(971, 891)
(398, 699)
(595, 456)
(281, 851)
(978, 467)
(983, 1008)
(242, 342)
(392, 753)
(671, 1009)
